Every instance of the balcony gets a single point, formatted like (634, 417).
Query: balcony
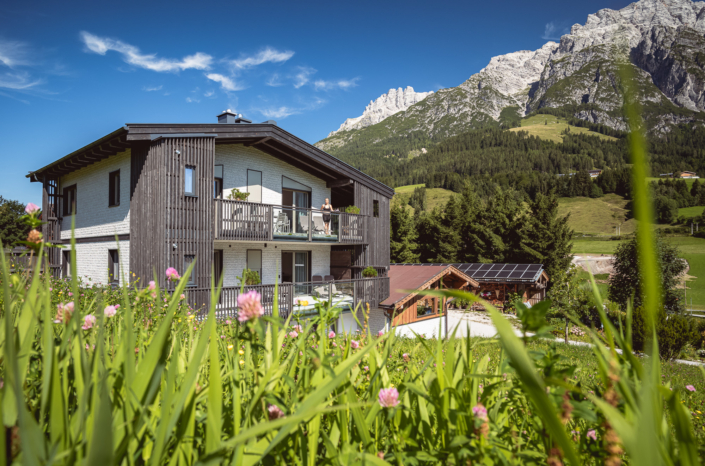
(248, 221)
(299, 298)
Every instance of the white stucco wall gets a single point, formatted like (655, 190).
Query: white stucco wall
(92, 260)
(93, 216)
(237, 159)
(235, 259)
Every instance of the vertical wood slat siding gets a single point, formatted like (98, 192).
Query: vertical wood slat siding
(163, 217)
(377, 253)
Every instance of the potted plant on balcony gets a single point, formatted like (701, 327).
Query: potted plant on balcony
(249, 277)
(369, 272)
(351, 209)
(237, 195)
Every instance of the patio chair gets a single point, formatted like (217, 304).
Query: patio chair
(318, 225)
(316, 278)
(329, 278)
(282, 224)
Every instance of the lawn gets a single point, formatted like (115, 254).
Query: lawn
(689, 181)
(536, 126)
(691, 249)
(689, 212)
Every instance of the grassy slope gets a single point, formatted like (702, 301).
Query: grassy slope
(689, 181)
(435, 197)
(688, 212)
(536, 126)
(692, 249)
(597, 216)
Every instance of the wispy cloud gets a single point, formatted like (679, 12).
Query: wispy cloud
(554, 30)
(152, 88)
(133, 56)
(274, 81)
(18, 81)
(13, 53)
(303, 75)
(209, 94)
(267, 55)
(225, 82)
(322, 85)
(192, 100)
(279, 112)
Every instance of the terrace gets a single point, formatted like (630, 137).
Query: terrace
(250, 221)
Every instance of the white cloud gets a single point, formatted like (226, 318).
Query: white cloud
(340, 84)
(18, 81)
(302, 76)
(554, 31)
(280, 112)
(267, 55)
(152, 88)
(13, 53)
(274, 81)
(133, 56)
(192, 100)
(209, 94)
(225, 82)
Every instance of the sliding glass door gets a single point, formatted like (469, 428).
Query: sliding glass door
(295, 269)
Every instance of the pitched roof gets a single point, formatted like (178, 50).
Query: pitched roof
(503, 273)
(403, 278)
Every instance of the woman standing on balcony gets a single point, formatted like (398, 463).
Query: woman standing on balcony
(327, 208)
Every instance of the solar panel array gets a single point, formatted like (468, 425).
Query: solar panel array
(497, 272)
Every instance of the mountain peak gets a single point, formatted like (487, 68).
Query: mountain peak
(394, 101)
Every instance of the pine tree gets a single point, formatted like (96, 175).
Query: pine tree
(403, 236)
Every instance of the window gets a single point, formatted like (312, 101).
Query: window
(254, 261)
(375, 208)
(218, 182)
(114, 188)
(70, 200)
(254, 186)
(188, 260)
(66, 264)
(113, 267)
(190, 180)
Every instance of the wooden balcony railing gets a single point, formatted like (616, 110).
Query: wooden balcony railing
(249, 221)
(300, 298)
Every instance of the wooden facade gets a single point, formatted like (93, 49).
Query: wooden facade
(168, 226)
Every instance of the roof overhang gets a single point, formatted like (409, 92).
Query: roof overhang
(267, 137)
(450, 270)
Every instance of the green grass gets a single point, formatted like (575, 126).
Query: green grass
(435, 197)
(691, 249)
(689, 212)
(536, 126)
(597, 216)
(689, 182)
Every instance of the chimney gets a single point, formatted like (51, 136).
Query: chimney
(229, 117)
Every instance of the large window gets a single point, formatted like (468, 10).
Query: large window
(114, 188)
(254, 261)
(113, 267)
(254, 186)
(188, 260)
(70, 200)
(218, 182)
(190, 180)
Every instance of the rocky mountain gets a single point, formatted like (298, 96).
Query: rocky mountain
(394, 101)
(662, 41)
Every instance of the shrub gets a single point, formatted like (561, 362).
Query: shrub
(674, 332)
(249, 277)
(351, 209)
(369, 272)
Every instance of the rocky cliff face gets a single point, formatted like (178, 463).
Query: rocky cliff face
(394, 101)
(662, 40)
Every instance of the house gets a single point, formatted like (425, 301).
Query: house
(228, 195)
(408, 310)
(594, 173)
(685, 174)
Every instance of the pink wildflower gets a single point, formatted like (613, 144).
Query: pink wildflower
(293, 334)
(182, 297)
(480, 411)
(250, 305)
(592, 434)
(117, 306)
(354, 344)
(70, 294)
(63, 313)
(380, 333)
(331, 334)
(274, 412)
(152, 285)
(388, 397)
(298, 328)
(367, 368)
(172, 274)
(228, 322)
(335, 345)
(88, 322)
(406, 357)
(31, 208)
(690, 388)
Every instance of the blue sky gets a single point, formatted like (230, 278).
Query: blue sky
(71, 72)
